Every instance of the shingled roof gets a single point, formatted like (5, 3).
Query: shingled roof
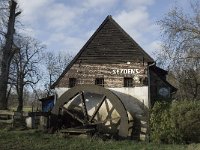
(110, 44)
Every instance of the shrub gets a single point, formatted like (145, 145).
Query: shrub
(176, 122)
(186, 117)
(162, 127)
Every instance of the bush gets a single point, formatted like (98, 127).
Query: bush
(162, 126)
(186, 117)
(176, 122)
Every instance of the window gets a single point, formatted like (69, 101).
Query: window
(99, 81)
(72, 82)
(128, 82)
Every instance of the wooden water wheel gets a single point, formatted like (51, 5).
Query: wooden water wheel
(91, 107)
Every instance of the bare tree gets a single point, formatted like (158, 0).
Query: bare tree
(54, 64)
(7, 53)
(181, 49)
(3, 17)
(24, 70)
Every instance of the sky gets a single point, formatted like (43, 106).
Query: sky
(66, 25)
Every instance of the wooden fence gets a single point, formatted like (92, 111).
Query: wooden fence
(6, 116)
(11, 117)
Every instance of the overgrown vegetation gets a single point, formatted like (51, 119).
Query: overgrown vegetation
(176, 122)
(32, 140)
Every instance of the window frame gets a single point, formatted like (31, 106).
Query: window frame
(128, 82)
(72, 82)
(99, 81)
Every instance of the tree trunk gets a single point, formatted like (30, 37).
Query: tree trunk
(20, 100)
(3, 84)
(7, 54)
(20, 92)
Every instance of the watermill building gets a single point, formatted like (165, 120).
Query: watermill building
(113, 61)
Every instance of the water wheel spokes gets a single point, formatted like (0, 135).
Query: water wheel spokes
(84, 109)
(72, 115)
(97, 109)
(92, 106)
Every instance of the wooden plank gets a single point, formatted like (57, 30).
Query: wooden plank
(79, 131)
(7, 121)
(6, 112)
(73, 116)
(84, 109)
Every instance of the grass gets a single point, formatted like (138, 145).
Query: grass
(36, 140)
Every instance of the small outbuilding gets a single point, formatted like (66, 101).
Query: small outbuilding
(47, 103)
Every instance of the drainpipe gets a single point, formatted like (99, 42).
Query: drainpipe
(149, 98)
(55, 96)
(149, 84)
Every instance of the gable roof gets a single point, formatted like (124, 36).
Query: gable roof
(159, 71)
(161, 74)
(109, 44)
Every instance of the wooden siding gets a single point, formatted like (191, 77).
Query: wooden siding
(112, 45)
(87, 73)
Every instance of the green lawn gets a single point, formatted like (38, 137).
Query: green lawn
(36, 140)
